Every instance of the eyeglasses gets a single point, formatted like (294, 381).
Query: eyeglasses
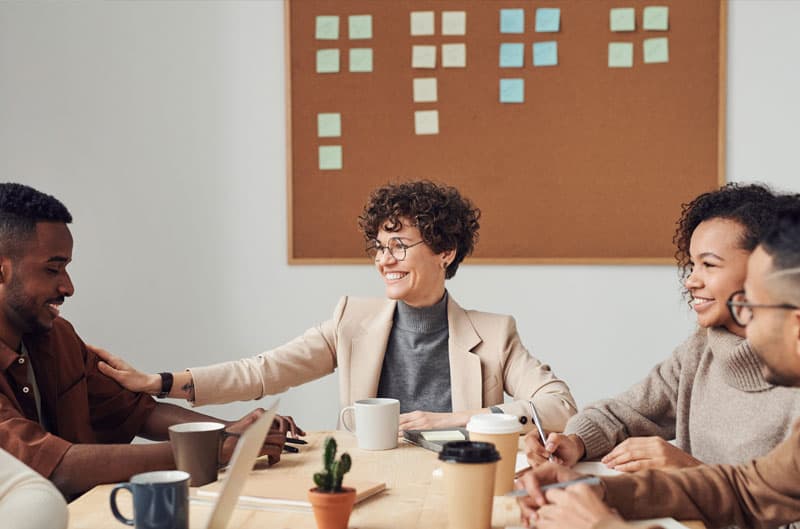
(742, 311)
(397, 248)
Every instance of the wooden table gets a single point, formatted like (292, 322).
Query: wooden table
(413, 499)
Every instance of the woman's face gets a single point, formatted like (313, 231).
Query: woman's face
(418, 279)
(719, 267)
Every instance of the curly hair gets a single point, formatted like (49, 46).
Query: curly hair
(445, 219)
(752, 206)
(21, 207)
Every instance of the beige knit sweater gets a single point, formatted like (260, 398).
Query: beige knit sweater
(709, 396)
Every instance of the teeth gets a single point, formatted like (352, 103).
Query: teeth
(395, 275)
(697, 301)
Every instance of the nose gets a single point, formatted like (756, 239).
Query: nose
(66, 288)
(693, 281)
(385, 256)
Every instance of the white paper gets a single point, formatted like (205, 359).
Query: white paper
(422, 23)
(426, 122)
(454, 23)
(454, 55)
(423, 57)
(425, 91)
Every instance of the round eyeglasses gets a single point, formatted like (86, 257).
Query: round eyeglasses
(396, 247)
(742, 311)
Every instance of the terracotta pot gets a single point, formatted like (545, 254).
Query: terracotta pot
(332, 509)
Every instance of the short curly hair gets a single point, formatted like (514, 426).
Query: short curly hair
(21, 207)
(751, 205)
(445, 219)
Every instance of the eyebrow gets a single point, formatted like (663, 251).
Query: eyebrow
(58, 259)
(709, 254)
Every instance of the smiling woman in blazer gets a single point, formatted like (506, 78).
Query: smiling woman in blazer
(442, 362)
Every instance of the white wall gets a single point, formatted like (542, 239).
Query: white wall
(161, 126)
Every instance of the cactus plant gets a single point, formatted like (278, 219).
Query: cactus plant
(330, 479)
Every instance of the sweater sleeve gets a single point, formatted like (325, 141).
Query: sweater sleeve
(646, 409)
(764, 493)
(27, 500)
(308, 357)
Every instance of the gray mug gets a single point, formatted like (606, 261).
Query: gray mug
(160, 500)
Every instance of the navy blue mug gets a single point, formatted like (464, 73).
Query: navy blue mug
(160, 500)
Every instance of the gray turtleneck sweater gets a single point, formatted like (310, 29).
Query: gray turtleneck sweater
(416, 366)
(709, 396)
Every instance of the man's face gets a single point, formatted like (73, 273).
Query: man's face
(36, 282)
(773, 333)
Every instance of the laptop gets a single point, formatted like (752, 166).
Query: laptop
(242, 461)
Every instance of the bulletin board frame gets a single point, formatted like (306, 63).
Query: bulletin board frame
(293, 191)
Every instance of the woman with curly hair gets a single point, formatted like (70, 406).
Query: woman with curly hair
(710, 395)
(442, 362)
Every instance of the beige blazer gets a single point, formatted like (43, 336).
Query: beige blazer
(486, 360)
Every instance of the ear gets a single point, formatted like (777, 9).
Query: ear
(448, 257)
(796, 332)
(5, 270)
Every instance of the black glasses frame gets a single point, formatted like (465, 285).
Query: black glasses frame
(744, 304)
(378, 250)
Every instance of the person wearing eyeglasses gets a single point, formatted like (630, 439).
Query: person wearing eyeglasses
(759, 494)
(709, 396)
(442, 362)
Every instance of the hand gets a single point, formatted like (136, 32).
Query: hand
(273, 443)
(637, 453)
(566, 449)
(126, 375)
(577, 507)
(427, 420)
(285, 424)
(531, 480)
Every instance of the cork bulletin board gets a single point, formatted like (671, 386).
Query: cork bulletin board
(578, 127)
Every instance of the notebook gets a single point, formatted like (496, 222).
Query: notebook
(436, 438)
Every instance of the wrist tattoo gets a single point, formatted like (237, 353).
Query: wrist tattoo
(188, 389)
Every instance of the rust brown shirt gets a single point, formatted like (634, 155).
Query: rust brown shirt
(80, 405)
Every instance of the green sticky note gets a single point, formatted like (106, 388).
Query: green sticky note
(360, 26)
(620, 54)
(512, 90)
(512, 55)
(656, 50)
(330, 157)
(329, 125)
(656, 18)
(622, 19)
(512, 21)
(327, 28)
(328, 61)
(545, 53)
(360, 59)
(548, 19)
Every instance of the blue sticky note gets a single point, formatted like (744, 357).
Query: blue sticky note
(512, 55)
(545, 53)
(548, 19)
(512, 90)
(512, 21)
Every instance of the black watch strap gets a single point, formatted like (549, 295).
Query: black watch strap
(166, 385)
(496, 409)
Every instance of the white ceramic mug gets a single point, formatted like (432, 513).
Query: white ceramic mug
(376, 423)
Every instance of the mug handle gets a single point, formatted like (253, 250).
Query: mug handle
(113, 500)
(342, 415)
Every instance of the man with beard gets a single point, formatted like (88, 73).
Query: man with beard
(58, 413)
(764, 493)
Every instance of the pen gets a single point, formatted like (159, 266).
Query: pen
(290, 449)
(588, 480)
(296, 441)
(538, 424)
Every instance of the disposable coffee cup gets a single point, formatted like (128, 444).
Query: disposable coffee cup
(160, 500)
(468, 470)
(503, 431)
(377, 422)
(196, 447)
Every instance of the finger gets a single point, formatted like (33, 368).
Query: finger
(271, 450)
(531, 484)
(634, 466)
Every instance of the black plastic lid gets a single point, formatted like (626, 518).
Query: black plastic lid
(469, 452)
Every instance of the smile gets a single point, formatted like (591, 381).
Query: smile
(394, 276)
(699, 302)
